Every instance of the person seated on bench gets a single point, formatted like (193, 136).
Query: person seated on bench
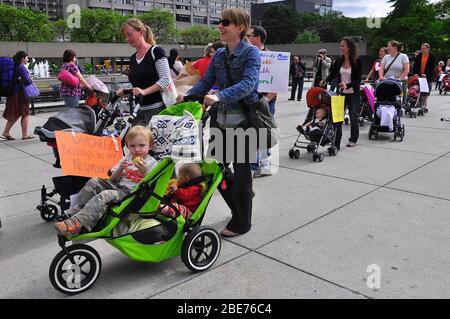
(95, 197)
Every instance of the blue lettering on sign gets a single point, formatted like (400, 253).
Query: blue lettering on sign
(282, 57)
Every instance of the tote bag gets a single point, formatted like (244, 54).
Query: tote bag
(31, 91)
(169, 94)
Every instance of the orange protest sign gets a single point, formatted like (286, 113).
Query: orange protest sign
(87, 155)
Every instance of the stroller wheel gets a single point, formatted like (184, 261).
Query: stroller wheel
(370, 133)
(200, 250)
(346, 120)
(72, 278)
(315, 156)
(48, 212)
(402, 133)
(291, 153)
(376, 134)
(361, 122)
(321, 157)
(297, 154)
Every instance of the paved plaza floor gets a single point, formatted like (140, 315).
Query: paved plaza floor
(372, 222)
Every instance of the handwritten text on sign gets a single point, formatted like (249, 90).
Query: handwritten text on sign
(274, 72)
(87, 155)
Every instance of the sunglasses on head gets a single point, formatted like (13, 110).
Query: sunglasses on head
(225, 22)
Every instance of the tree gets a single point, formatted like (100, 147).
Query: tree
(307, 36)
(281, 24)
(162, 23)
(61, 29)
(97, 25)
(20, 24)
(199, 35)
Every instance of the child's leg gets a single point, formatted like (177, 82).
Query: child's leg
(169, 211)
(93, 187)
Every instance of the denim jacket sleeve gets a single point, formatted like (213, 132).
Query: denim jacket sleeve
(205, 83)
(250, 78)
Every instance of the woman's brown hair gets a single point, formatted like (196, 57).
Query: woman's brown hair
(138, 25)
(239, 17)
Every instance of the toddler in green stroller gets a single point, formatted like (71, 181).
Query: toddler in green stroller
(147, 225)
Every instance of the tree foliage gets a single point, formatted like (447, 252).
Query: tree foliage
(97, 25)
(281, 24)
(199, 35)
(162, 23)
(20, 24)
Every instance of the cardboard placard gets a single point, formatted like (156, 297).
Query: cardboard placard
(87, 155)
(274, 72)
(423, 84)
(337, 108)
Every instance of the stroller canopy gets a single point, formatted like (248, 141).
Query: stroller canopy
(81, 119)
(387, 90)
(317, 96)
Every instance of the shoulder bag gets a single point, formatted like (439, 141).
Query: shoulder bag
(169, 94)
(31, 91)
(259, 116)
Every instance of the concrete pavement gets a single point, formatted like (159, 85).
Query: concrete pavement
(320, 230)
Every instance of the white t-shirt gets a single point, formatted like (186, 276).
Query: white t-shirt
(177, 66)
(346, 77)
(396, 69)
(131, 175)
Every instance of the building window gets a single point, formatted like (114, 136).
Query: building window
(183, 18)
(202, 20)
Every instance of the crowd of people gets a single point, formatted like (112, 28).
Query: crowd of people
(227, 76)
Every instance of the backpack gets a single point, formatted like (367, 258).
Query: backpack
(8, 76)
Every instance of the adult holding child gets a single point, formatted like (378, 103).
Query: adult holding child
(235, 69)
(149, 69)
(347, 70)
(71, 94)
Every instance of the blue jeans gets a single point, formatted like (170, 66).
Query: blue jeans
(71, 101)
(263, 156)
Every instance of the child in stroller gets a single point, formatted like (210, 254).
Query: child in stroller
(387, 110)
(445, 85)
(317, 128)
(414, 100)
(94, 197)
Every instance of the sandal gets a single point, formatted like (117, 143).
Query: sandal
(228, 233)
(29, 137)
(68, 227)
(7, 137)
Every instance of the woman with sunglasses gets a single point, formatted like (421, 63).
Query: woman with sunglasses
(243, 62)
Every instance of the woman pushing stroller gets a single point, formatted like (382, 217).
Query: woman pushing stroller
(347, 69)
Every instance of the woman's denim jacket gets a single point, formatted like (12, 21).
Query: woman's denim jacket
(245, 63)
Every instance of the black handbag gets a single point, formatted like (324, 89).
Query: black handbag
(259, 118)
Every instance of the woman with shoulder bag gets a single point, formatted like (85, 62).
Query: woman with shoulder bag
(17, 104)
(149, 69)
(244, 62)
(71, 92)
(347, 70)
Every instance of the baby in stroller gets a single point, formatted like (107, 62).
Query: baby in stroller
(186, 192)
(314, 128)
(97, 194)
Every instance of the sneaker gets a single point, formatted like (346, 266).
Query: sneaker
(68, 227)
(351, 144)
(290, 99)
(263, 172)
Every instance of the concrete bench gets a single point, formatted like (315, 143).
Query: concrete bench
(47, 96)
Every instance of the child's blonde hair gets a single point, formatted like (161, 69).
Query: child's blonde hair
(140, 130)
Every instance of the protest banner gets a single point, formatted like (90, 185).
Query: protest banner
(274, 72)
(87, 155)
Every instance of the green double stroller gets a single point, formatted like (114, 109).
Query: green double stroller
(156, 238)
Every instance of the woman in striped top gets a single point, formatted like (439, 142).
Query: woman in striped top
(147, 75)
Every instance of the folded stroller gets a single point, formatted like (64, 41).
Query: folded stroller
(157, 237)
(414, 100)
(316, 97)
(82, 119)
(386, 94)
(367, 104)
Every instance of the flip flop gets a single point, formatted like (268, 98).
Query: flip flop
(228, 233)
(28, 137)
(7, 137)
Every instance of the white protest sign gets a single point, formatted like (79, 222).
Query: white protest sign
(441, 77)
(423, 84)
(274, 72)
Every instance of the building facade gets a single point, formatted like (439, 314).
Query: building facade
(53, 8)
(314, 6)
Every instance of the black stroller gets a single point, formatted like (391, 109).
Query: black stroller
(386, 93)
(85, 119)
(316, 98)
